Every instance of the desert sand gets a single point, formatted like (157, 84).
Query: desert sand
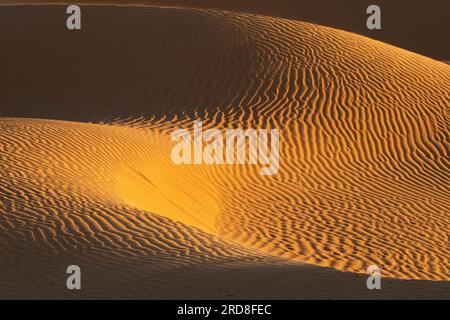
(415, 25)
(87, 179)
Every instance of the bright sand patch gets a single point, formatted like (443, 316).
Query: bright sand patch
(363, 176)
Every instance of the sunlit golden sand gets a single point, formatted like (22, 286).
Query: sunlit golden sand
(364, 167)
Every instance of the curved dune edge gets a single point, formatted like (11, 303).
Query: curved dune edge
(323, 12)
(364, 157)
(62, 203)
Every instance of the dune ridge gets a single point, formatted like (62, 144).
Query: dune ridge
(364, 169)
(400, 18)
(397, 136)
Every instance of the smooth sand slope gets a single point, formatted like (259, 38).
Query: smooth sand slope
(364, 169)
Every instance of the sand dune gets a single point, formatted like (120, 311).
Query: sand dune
(415, 25)
(364, 169)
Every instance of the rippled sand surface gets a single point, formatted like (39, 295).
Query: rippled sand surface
(364, 158)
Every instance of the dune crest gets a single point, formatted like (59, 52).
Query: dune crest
(364, 166)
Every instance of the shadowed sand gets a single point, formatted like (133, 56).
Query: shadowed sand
(364, 158)
(415, 25)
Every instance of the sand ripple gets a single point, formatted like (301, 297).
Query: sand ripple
(364, 176)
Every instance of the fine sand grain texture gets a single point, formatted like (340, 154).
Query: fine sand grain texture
(364, 158)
